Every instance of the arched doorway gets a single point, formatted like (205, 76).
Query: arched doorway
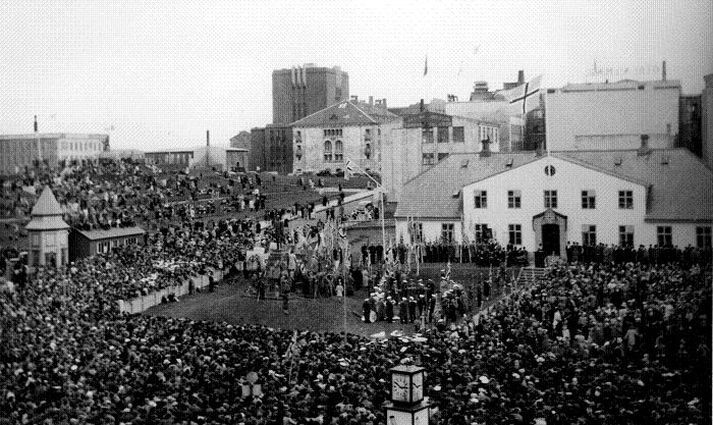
(550, 231)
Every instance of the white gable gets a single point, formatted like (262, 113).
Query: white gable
(568, 179)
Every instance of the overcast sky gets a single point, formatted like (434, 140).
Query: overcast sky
(161, 73)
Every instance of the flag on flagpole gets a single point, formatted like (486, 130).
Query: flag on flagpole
(425, 67)
(525, 96)
(348, 169)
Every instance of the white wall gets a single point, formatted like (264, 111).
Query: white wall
(569, 180)
(623, 113)
(431, 229)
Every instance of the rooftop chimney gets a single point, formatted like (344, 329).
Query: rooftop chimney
(422, 107)
(485, 152)
(644, 148)
(663, 71)
(371, 100)
(521, 76)
(207, 137)
(35, 123)
(383, 102)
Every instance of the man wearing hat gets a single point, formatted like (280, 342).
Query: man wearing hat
(403, 310)
(389, 310)
(411, 309)
(366, 307)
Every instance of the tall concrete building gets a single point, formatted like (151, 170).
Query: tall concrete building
(304, 90)
(271, 148)
(707, 121)
(612, 116)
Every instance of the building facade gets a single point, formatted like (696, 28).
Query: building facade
(304, 90)
(610, 116)
(85, 243)
(175, 158)
(426, 138)
(26, 150)
(271, 148)
(348, 130)
(627, 197)
(707, 121)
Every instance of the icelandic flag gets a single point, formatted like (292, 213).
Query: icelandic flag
(525, 96)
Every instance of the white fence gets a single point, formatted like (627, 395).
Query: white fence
(140, 304)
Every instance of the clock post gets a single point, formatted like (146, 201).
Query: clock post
(407, 405)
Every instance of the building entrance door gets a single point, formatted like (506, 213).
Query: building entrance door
(551, 239)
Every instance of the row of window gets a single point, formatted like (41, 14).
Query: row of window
(443, 135)
(81, 146)
(331, 132)
(589, 199)
(664, 234)
(50, 257)
(337, 155)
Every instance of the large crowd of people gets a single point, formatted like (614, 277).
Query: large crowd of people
(586, 344)
(617, 341)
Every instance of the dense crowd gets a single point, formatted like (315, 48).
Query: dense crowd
(653, 254)
(587, 344)
(600, 342)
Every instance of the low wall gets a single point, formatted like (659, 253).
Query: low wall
(143, 303)
(350, 203)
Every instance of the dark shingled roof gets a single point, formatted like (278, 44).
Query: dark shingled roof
(347, 113)
(680, 185)
(114, 232)
(431, 193)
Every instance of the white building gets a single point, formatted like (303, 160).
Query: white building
(48, 233)
(346, 130)
(639, 197)
(609, 116)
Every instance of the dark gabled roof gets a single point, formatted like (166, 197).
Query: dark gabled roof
(680, 185)
(347, 113)
(680, 189)
(114, 232)
(432, 194)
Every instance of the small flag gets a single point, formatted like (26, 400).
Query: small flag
(348, 169)
(425, 67)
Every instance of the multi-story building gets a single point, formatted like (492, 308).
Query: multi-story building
(612, 116)
(26, 150)
(707, 121)
(271, 148)
(426, 138)
(624, 197)
(304, 90)
(347, 130)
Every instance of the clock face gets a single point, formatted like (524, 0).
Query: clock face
(417, 386)
(399, 387)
